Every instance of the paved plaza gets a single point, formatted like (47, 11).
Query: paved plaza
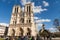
(54, 39)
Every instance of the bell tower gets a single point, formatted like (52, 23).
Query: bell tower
(15, 15)
(28, 13)
(29, 18)
(15, 19)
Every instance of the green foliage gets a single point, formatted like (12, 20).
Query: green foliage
(1, 39)
(56, 23)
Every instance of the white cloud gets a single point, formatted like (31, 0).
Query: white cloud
(23, 2)
(40, 24)
(36, 18)
(4, 24)
(43, 20)
(45, 3)
(23, 9)
(38, 9)
(52, 29)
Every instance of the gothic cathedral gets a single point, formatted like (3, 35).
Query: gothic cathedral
(22, 22)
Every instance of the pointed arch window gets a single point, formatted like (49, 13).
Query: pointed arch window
(17, 9)
(22, 20)
(27, 8)
(29, 21)
(14, 22)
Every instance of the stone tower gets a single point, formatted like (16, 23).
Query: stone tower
(22, 23)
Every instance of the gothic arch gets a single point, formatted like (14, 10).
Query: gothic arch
(22, 20)
(28, 31)
(13, 32)
(21, 31)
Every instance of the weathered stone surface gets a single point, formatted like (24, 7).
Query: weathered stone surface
(22, 22)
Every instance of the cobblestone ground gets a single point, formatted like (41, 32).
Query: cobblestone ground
(54, 39)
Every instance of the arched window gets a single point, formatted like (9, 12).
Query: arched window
(17, 9)
(29, 9)
(14, 22)
(22, 20)
(29, 21)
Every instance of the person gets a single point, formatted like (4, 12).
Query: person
(19, 38)
(47, 37)
(50, 37)
(32, 38)
(22, 38)
(38, 38)
(25, 37)
(6, 39)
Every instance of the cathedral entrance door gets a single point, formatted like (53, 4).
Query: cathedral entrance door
(28, 31)
(21, 32)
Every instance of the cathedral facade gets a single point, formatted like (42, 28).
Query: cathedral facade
(22, 23)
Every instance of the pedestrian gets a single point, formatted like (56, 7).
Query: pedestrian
(50, 37)
(6, 39)
(47, 37)
(22, 38)
(19, 38)
(32, 38)
(38, 37)
(25, 37)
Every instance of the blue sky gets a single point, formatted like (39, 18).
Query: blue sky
(51, 10)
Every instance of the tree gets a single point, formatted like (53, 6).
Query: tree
(56, 24)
